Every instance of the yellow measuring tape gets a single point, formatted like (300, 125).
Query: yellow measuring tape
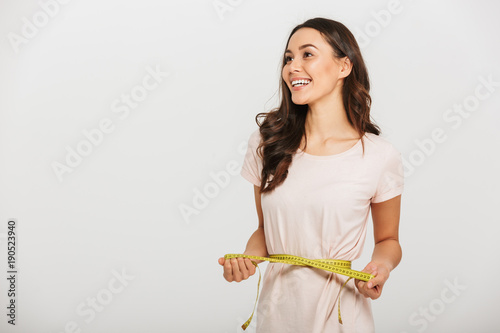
(332, 265)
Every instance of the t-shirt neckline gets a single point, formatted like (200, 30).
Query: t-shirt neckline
(328, 157)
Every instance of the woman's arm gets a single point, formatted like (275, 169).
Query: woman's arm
(387, 252)
(385, 217)
(238, 269)
(256, 245)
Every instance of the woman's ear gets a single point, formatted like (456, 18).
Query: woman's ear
(346, 66)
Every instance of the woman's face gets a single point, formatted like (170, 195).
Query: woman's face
(314, 62)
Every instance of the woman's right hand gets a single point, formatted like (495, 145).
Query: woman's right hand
(238, 269)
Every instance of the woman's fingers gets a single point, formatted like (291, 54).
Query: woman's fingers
(228, 271)
(247, 268)
(237, 269)
(363, 288)
(240, 270)
(366, 288)
(372, 293)
(360, 285)
(375, 281)
(250, 266)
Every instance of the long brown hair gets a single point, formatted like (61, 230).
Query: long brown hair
(283, 127)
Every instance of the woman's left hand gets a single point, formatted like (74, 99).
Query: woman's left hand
(373, 288)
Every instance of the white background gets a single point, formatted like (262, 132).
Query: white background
(119, 209)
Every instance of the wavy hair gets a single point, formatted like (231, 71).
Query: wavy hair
(283, 127)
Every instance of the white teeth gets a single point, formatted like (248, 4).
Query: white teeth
(300, 82)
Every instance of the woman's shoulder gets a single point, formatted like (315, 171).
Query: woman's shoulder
(255, 137)
(379, 143)
(255, 134)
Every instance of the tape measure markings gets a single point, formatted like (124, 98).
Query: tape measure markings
(332, 265)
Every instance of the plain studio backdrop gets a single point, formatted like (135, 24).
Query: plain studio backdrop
(123, 129)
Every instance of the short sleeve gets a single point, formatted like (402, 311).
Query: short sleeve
(391, 181)
(252, 163)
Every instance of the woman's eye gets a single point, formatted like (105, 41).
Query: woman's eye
(287, 58)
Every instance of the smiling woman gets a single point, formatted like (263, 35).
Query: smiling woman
(318, 165)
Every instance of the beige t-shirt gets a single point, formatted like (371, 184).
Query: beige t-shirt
(320, 212)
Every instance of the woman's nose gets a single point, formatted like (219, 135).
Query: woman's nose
(295, 65)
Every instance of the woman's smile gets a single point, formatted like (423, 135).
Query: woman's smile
(300, 84)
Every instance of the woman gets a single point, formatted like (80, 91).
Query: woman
(318, 166)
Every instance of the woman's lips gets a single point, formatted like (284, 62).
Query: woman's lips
(300, 87)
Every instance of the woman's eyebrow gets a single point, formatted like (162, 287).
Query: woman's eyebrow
(301, 47)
